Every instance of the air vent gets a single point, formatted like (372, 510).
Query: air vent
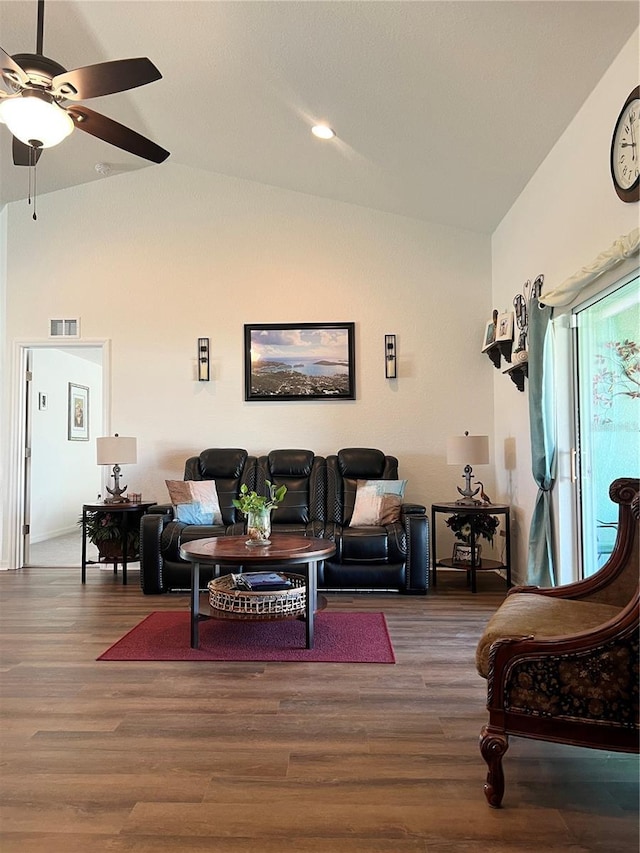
(64, 328)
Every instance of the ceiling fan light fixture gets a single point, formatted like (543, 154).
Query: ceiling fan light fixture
(323, 131)
(35, 117)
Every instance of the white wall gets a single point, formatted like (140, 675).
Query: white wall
(162, 256)
(565, 217)
(64, 474)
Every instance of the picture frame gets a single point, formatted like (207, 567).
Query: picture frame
(504, 327)
(489, 337)
(462, 554)
(299, 361)
(78, 413)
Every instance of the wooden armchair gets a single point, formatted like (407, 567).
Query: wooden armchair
(562, 663)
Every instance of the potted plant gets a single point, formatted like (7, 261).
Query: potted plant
(257, 510)
(103, 529)
(484, 527)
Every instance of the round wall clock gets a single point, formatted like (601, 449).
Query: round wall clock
(625, 168)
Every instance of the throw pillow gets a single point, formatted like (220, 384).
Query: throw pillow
(201, 492)
(195, 513)
(377, 502)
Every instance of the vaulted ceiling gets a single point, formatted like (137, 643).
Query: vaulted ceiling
(443, 110)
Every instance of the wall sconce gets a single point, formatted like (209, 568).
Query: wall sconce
(390, 356)
(203, 359)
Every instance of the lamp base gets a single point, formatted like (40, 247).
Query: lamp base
(116, 499)
(116, 492)
(468, 494)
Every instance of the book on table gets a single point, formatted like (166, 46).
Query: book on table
(262, 582)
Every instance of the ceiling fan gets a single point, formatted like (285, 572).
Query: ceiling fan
(38, 101)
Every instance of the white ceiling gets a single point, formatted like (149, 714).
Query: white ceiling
(443, 110)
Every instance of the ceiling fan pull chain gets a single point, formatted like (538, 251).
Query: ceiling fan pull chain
(32, 178)
(35, 190)
(30, 172)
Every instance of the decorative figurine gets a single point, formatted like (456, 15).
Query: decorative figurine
(483, 496)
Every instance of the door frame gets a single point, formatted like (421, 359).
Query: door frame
(564, 497)
(578, 309)
(19, 398)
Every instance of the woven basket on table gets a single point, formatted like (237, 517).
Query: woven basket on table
(241, 604)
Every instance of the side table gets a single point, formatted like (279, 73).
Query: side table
(128, 512)
(474, 511)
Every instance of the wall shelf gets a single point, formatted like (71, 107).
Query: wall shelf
(498, 350)
(517, 373)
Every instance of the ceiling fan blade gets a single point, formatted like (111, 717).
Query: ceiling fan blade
(25, 155)
(11, 71)
(105, 78)
(116, 134)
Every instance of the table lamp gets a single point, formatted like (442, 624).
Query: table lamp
(468, 450)
(113, 450)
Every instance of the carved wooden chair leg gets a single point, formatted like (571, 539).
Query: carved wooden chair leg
(493, 745)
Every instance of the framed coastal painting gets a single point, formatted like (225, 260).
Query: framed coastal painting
(299, 361)
(78, 413)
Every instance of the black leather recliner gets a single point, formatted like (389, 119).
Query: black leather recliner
(319, 502)
(304, 506)
(161, 567)
(395, 556)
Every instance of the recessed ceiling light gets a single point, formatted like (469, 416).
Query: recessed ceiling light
(323, 131)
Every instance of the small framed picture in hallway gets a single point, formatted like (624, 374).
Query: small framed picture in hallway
(78, 413)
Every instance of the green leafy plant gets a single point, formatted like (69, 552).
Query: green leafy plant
(484, 526)
(253, 502)
(105, 527)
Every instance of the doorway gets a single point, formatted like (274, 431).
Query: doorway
(56, 461)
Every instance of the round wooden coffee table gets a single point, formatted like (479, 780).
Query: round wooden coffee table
(233, 551)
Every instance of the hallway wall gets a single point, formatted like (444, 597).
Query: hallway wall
(64, 473)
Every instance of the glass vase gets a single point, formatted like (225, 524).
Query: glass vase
(259, 527)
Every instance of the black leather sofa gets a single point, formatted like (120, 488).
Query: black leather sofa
(319, 502)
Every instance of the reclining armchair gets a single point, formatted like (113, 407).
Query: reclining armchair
(161, 535)
(562, 663)
(302, 510)
(388, 555)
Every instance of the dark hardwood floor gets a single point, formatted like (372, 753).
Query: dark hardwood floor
(311, 758)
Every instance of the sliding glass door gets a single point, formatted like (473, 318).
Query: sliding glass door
(607, 342)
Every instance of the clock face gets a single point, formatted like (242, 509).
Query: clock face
(625, 154)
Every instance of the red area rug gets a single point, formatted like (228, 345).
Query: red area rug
(338, 638)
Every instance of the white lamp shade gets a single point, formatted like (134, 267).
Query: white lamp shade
(116, 450)
(468, 450)
(32, 118)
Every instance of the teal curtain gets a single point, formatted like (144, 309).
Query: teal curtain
(540, 564)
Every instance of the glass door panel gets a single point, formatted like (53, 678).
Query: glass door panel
(607, 412)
